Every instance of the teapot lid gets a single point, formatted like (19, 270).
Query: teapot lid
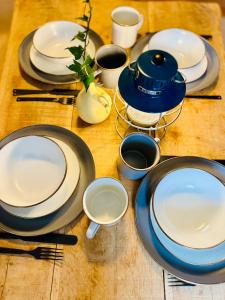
(157, 64)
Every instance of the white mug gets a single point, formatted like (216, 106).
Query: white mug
(111, 60)
(105, 201)
(126, 21)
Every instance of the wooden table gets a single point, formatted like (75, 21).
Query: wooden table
(115, 264)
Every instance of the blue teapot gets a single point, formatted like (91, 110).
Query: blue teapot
(152, 83)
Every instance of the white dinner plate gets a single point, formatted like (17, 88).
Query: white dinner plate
(61, 196)
(56, 66)
(197, 257)
(189, 206)
(195, 72)
(32, 169)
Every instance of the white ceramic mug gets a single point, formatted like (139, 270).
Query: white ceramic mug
(111, 60)
(126, 21)
(105, 201)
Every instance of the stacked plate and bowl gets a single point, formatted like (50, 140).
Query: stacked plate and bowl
(197, 60)
(180, 208)
(44, 171)
(186, 47)
(43, 54)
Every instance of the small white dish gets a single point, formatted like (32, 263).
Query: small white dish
(186, 46)
(189, 206)
(196, 257)
(195, 72)
(58, 199)
(52, 38)
(141, 118)
(32, 168)
(56, 66)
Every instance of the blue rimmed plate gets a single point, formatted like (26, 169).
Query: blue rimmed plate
(210, 274)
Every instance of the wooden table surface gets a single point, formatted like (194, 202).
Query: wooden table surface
(114, 265)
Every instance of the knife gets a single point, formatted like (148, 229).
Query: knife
(165, 157)
(18, 92)
(215, 97)
(50, 238)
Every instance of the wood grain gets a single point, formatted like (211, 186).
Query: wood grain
(115, 264)
(6, 11)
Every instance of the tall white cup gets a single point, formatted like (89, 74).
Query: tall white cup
(105, 201)
(126, 21)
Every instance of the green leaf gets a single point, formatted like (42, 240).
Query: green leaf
(76, 67)
(89, 61)
(76, 51)
(83, 18)
(80, 36)
(88, 80)
(87, 75)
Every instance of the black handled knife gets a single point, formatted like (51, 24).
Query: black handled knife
(50, 238)
(20, 92)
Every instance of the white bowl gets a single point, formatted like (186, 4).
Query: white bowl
(185, 46)
(56, 66)
(53, 38)
(197, 257)
(195, 72)
(49, 65)
(189, 206)
(32, 168)
(141, 118)
(60, 197)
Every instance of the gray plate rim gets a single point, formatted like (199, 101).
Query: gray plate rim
(212, 274)
(73, 206)
(206, 80)
(27, 66)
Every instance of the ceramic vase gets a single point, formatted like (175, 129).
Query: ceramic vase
(93, 105)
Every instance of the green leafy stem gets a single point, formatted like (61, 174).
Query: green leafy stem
(83, 63)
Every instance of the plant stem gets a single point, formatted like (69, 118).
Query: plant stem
(87, 28)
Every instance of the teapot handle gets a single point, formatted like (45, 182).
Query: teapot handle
(132, 66)
(181, 81)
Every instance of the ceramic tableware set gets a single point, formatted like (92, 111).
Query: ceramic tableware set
(180, 203)
(44, 172)
(46, 59)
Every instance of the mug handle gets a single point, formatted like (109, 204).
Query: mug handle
(141, 22)
(92, 230)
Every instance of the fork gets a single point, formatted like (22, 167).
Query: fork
(38, 253)
(174, 281)
(61, 100)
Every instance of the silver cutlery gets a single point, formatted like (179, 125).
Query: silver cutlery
(61, 100)
(215, 97)
(38, 253)
(51, 238)
(174, 281)
(20, 92)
